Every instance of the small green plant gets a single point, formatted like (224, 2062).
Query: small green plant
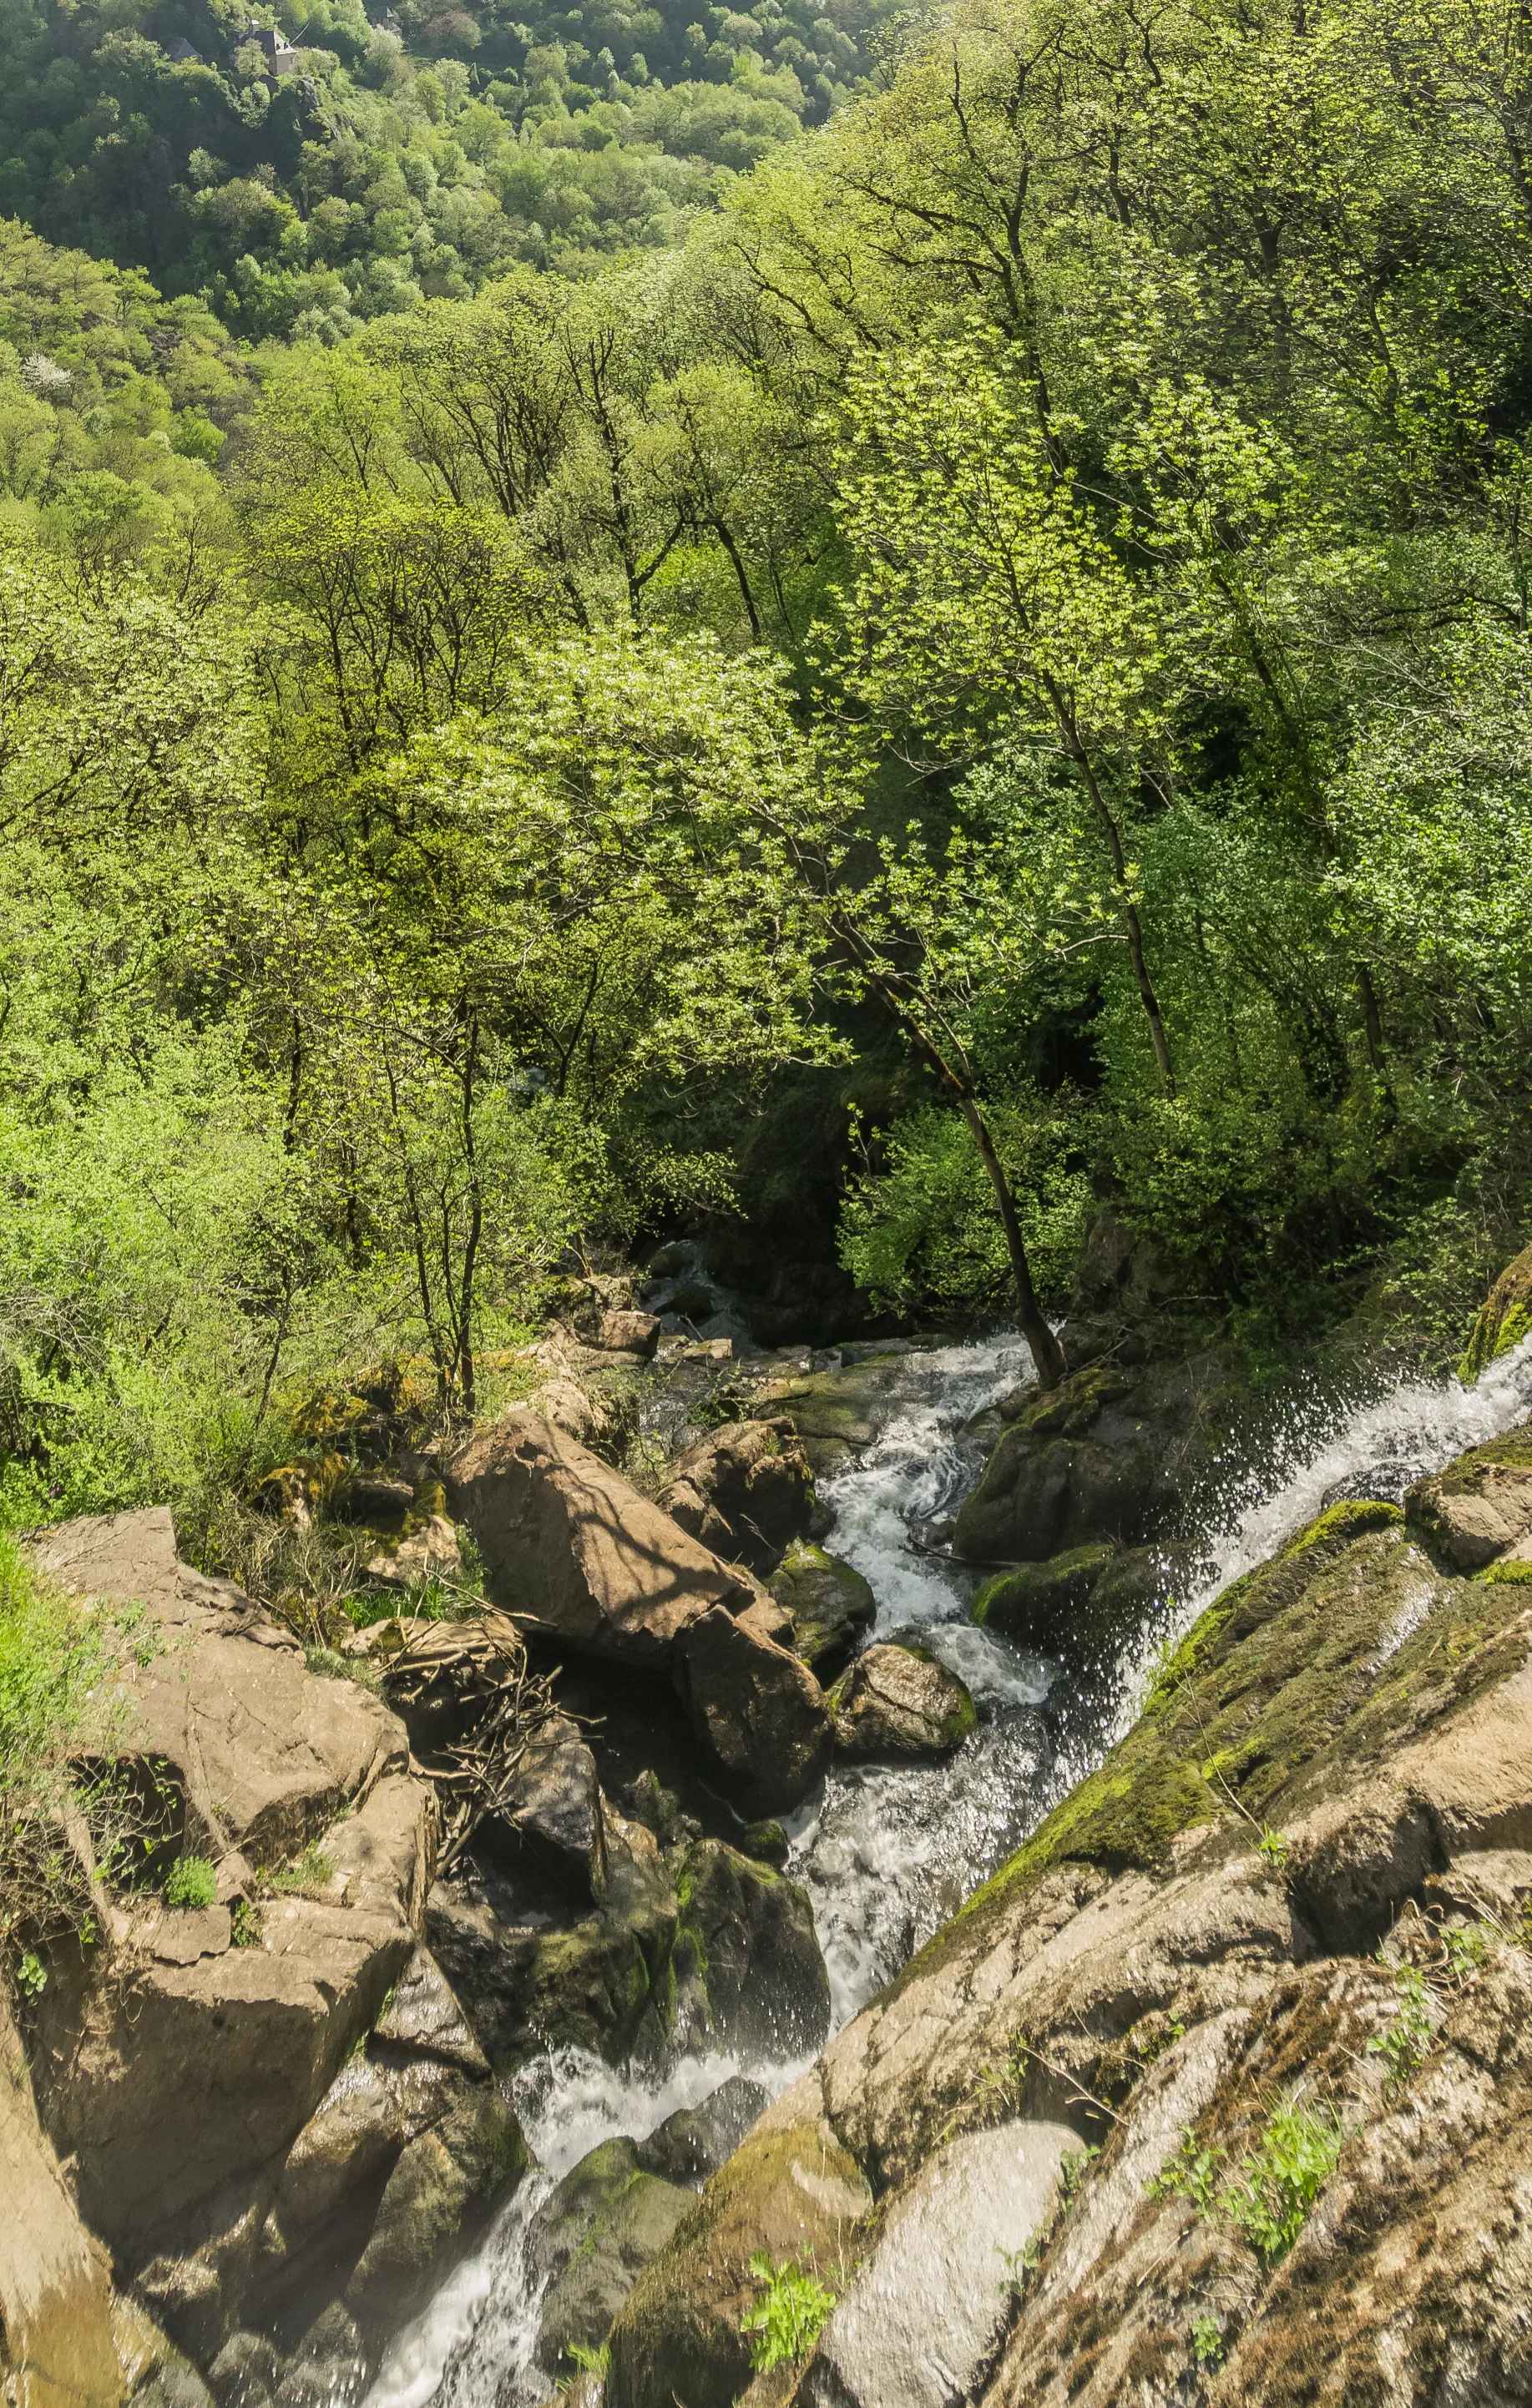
(1469, 1947)
(791, 2315)
(313, 1871)
(1272, 1845)
(1192, 2173)
(1278, 2183)
(245, 1924)
(1407, 2038)
(585, 2361)
(32, 1974)
(1072, 2172)
(193, 1882)
(1207, 2340)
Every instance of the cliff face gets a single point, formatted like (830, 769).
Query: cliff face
(1223, 2088)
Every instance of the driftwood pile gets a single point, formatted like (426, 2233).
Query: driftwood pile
(469, 1684)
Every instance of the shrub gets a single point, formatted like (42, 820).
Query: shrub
(193, 1882)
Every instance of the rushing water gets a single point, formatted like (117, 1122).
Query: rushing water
(888, 1851)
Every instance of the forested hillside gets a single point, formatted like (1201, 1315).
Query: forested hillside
(978, 666)
(309, 167)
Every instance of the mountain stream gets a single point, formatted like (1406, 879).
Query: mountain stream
(887, 1852)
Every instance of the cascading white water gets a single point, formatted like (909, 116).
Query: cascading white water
(888, 1852)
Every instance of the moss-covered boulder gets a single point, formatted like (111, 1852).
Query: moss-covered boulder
(747, 1941)
(1478, 1510)
(900, 1701)
(791, 2191)
(833, 1607)
(1110, 1455)
(588, 2242)
(1504, 1319)
(1082, 1605)
(436, 2200)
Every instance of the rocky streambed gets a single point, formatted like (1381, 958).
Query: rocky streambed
(925, 1839)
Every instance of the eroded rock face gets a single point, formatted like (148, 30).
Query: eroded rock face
(746, 1491)
(567, 1541)
(1146, 1975)
(273, 2101)
(896, 1703)
(55, 2285)
(1078, 1606)
(921, 2317)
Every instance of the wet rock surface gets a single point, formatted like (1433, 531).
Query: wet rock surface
(1337, 1761)
(896, 1702)
(831, 1606)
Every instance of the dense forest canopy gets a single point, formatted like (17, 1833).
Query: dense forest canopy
(937, 670)
(307, 168)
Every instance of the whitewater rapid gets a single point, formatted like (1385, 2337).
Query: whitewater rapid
(887, 1852)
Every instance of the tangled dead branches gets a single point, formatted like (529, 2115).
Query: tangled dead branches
(473, 1706)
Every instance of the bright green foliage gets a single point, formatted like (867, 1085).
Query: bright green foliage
(193, 1882)
(791, 2314)
(1273, 2186)
(324, 171)
(1405, 2041)
(1273, 1845)
(1207, 2340)
(1276, 2185)
(920, 1231)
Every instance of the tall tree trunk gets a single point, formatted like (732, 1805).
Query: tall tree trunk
(1047, 1353)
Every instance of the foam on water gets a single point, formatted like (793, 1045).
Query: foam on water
(888, 1851)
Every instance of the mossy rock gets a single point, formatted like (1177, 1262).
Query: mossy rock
(792, 2193)
(896, 1700)
(1267, 1679)
(1030, 1600)
(1504, 1318)
(437, 2197)
(831, 1606)
(590, 2239)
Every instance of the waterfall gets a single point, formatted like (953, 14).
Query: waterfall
(888, 1851)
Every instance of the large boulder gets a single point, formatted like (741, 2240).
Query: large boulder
(589, 2242)
(757, 1709)
(393, 2174)
(1081, 1606)
(573, 1546)
(1478, 1510)
(1504, 1318)
(831, 1606)
(237, 2137)
(709, 1949)
(899, 1702)
(746, 1490)
(172, 2062)
(791, 2190)
(746, 1939)
(1111, 1454)
(56, 2283)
